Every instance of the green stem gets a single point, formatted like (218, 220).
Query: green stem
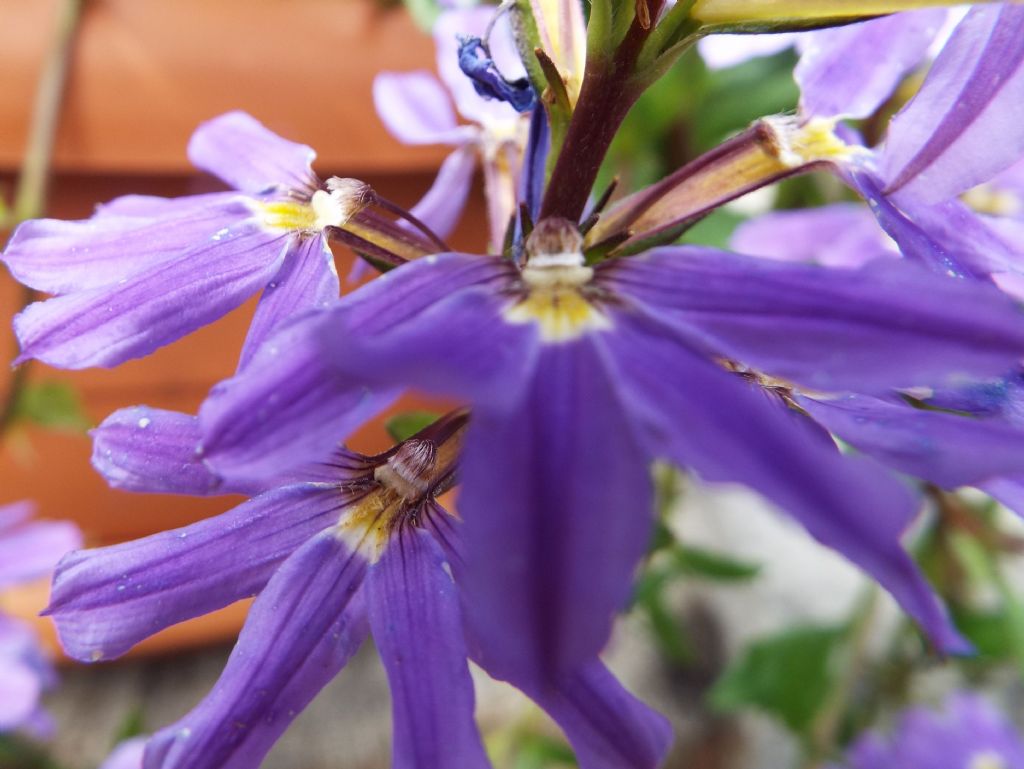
(34, 177)
(828, 722)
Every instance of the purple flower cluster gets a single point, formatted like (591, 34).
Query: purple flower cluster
(28, 550)
(582, 353)
(967, 734)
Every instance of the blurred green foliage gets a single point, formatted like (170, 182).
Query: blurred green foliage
(406, 424)
(692, 109)
(788, 675)
(50, 404)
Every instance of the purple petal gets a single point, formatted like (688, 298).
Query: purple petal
(915, 241)
(1008, 492)
(698, 415)
(157, 451)
(127, 754)
(19, 694)
(107, 599)
(109, 325)
(967, 238)
(416, 109)
(414, 615)
(839, 235)
(15, 513)
(285, 409)
(1012, 180)
(850, 71)
(300, 632)
(886, 325)
(156, 207)
(943, 448)
(436, 324)
(556, 500)
(59, 257)
(31, 549)
(966, 123)
(444, 202)
(248, 156)
(607, 726)
(307, 279)
(21, 681)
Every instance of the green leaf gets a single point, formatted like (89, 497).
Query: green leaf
(991, 632)
(538, 751)
(714, 230)
(403, 426)
(423, 12)
(669, 630)
(697, 562)
(788, 675)
(737, 96)
(132, 725)
(54, 405)
(998, 634)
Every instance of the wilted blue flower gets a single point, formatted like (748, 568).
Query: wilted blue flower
(358, 545)
(416, 109)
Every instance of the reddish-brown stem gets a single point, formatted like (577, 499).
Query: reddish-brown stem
(606, 96)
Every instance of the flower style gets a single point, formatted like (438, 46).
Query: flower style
(416, 108)
(358, 545)
(28, 549)
(145, 271)
(580, 376)
(968, 733)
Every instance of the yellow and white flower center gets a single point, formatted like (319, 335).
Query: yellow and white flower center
(989, 759)
(555, 278)
(331, 207)
(799, 143)
(989, 199)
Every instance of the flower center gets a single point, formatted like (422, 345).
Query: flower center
(989, 759)
(331, 207)
(799, 143)
(555, 278)
(398, 487)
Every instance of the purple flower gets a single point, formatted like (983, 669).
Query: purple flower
(416, 108)
(24, 675)
(145, 271)
(967, 734)
(127, 755)
(360, 545)
(28, 549)
(958, 131)
(579, 376)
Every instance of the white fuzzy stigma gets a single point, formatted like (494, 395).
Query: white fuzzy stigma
(342, 200)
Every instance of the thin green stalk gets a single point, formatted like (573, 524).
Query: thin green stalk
(826, 726)
(33, 181)
(34, 176)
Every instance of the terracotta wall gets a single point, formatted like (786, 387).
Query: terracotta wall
(145, 72)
